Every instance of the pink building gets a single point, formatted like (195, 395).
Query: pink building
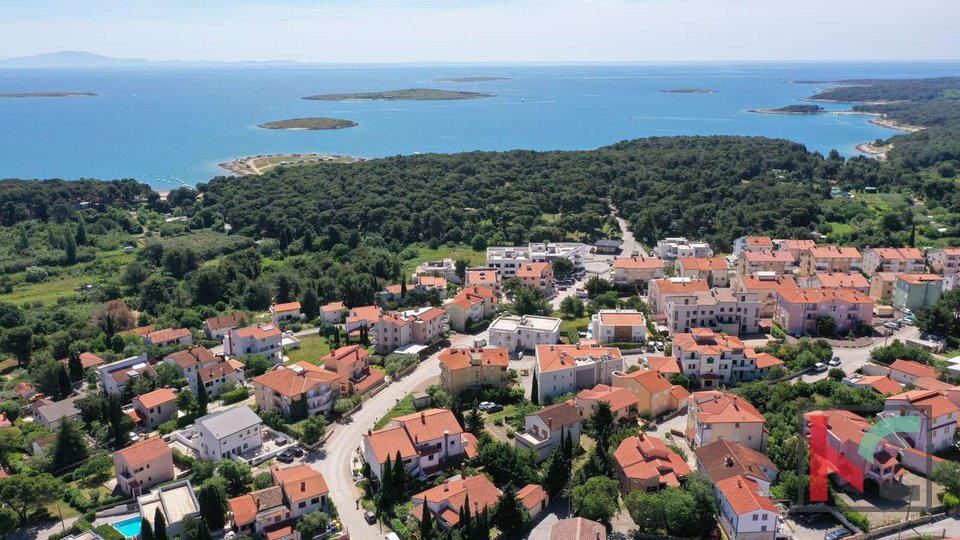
(797, 311)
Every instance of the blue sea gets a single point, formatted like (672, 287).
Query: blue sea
(167, 126)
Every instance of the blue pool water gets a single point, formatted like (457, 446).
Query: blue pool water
(167, 125)
(129, 528)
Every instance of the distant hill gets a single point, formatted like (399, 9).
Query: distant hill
(83, 59)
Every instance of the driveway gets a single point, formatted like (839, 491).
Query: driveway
(852, 359)
(945, 528)
(340, 454)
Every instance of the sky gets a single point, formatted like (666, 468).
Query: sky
(356, 31)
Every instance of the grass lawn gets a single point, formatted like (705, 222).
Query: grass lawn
(424, 254)
(312, 349)
(46, 292)
(568, 323)
(404, 407)
(841, 228)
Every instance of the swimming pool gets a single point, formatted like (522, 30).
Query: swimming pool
(129, 528)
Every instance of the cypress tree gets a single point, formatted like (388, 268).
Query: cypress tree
(64, 388)
(202, 398)
(534, 391)
(146, 533)
(426, 524)
(403, 288)
(81, 231)
(386, 480)
(159, 525)
(466, 523)
(76, 366)
(71, 245)
(203, 532)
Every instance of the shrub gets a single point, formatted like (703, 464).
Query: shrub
(859, 520)
(35, 274)
(235, 396)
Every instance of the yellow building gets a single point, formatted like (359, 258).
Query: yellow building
(463, 369)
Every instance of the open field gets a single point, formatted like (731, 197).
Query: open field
(312, 348)
(262, 164)
(424, 254)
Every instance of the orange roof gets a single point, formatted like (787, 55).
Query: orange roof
(559, 415)
(679, 393)
(292, 384)
(246, 507)
(578, 528)
(646, 458)
(218, 370)
(653, 381)
(429, 424)
(723, 459)
(432, 281)
(763, 360)
(681, 286)
(919, 279)
(157, 397)
(473, 292)
(192, 356)
(800, 245)
(617, 398)
(336, 306)
(881, 383)
(260, 331)
(531, 496)
(167, 334)
(844, 425)
(835, 252)
(841, 280)
(930, 403)
(756, 283)
(280, 531)
(347, 355)
(638, 263)
(469, 443)
(911, 367)
(489, 275)
(300, 482)
(703, 264)
(622, 318)
(706, 341)
(664, 364)
(466, 303)
(533, 269)
(715, 407)
(87, 360)
(927, 383)
(386, 442)
(289, 306)
(451, 495)
(816, 296)
(765, 255)
(899, 254)
(372, 379)
(226, 321)
(394, 289)
(554, 357)
(363, 313)
(145, 451)
(743, 495)
(757, 241)
(455, 359)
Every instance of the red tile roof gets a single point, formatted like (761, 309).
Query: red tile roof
(455, 359)
(900, 254)
(720, 407)
(781, 283)
(226, 321)
(919, 279)
(881, 383)
(765, 255)
(289, 306)
(842, 280)
(930, 403)
(578, 528)
(533, 270)
(531, 496)
(559, 415)
(911, 367)
(667, 365)
(451, 495)
(646, 458)
(638, 263)
(763, 360)
(652, 381)
(835, 252)
(168, 334)
(706, 341)
(145, 451)
(743, 495)
(429, 425)
(192, 357)
(386, 442)
(703, 264)
(670, 286)
(759, 241)
(259, 331)
(618, 398)
(722, 459)
(87, 360)
(157, 397)
(554, 357)
(337, 306)
(622, 318)
(292, 384)
(816, 296)
(300, 482)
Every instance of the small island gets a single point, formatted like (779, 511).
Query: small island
(409, 94)
(47, 94)
(792, 109)
(309, 124)
(471, 79)
(689, 91)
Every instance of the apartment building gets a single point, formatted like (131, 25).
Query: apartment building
(463, 369)
(714, 270)
(674, 248)
(898, 260)
(508, 260)
(636, 273)
(524, 332)
(421, 326)
(797, 311)
(538, 275)
(751, 243)
(708, 356)
(483, 277)
(424, 440)
(716, 415)
(352, 365)
(662, 289)
(652, 391)
(645, 463)
(545, 429)
(767, 286)
(297, 391)
(830, 259)
(917, 291)
(946, 262)
(143, 465)
(229, 433)
(264, 339)
(156, 407)
(618, 326)
(473, 303)
(765, 260)
(936, 413)
(115, 377)
(567, 368)
(839, 280)
(718, 309)
(882, 285)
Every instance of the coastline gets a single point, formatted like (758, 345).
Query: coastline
(248, 165)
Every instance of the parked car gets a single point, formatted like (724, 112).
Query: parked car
(494, 408)
(837, 534)
(835, 361)
(370, 517)
(891, 325)
(297, 451)
(659, 345)
(820, 367)
(484, 405)
(285, 457)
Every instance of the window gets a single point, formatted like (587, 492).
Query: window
(765, 517)
(315, 500)
(303, 504)
(756, 517)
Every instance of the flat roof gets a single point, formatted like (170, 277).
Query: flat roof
(533, 322)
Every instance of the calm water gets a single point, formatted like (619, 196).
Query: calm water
(163, 126)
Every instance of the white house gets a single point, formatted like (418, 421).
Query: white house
(289, 311)
(937, 418)
(618, 326)
(744, 511)
(675, 248)
(262, 339)
(524, 332)
(424, 440)
(567, 368)
(114, 377)
(229, 433)
(545, 429)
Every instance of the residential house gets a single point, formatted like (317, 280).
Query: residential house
(718, 309)
(716, 415)
(289, 311)
(652, 391)
(618, 326)
(115, 377)
(258, 511)
(881, 383)
(623, 403)
(177, 503)
(304, 488)
(534, 499)
(667, 366)
(431, 283)
(462, 369)
(838, 280)
(361, 317)
(229, 433)
(26, 390)
(937, 415)
(708, 357)
(751, 243)
(52, 413)
(445, 501)
(352, 365)
(678, 247)
(713, 270)
(795, 247)
(217, 327)
(332, 313)
(917, 291)
(723, 459)
(445, 268)
(830, 259)
(946, 262)
(645, 463)
(216, 376)
(578, 528)
(567, 368)
(471, 304)
(745, 513)
(766, 285)
(296, 391)
(844, 432)
(882, 285)
(538, 275)
(143, 465)
(523, 332)
(189, 361)
(483, 277)
(797, 311)
(156, 407)
(264, 339)
(422, 326)
(545, 429)
(424, 440)
(636, 273)
(169, 337)
(906, 260)
(778, 262)
(910, 371)
(88, 360)
(754, 365)
(662, 290)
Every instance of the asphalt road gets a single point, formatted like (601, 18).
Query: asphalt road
(852, 359)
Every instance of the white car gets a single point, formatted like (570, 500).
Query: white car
(835, 361)
(820, 367)
(484, 405)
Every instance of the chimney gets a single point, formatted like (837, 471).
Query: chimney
(369, 432)
(416, 439)
(446, 485)
(739, 483)
(463, 469)
(550, 423)
(303, 486)
(598, 535)
(423, 418)
(729, 461)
